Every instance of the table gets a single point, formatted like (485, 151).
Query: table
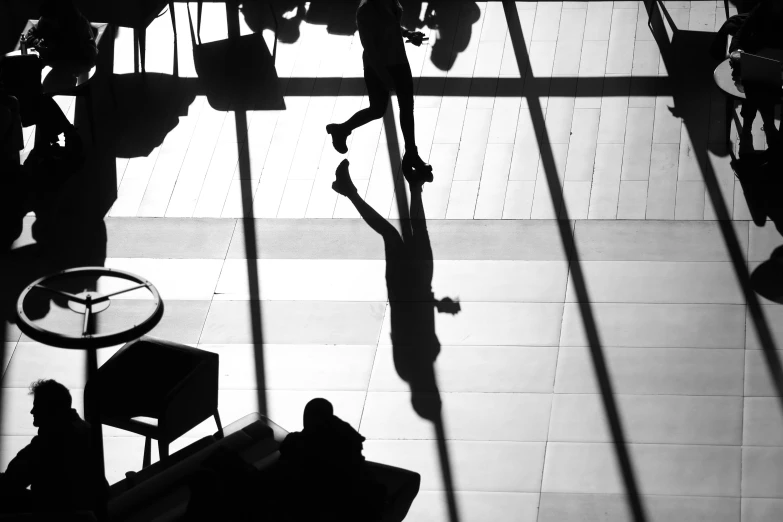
(733, 88)
(727, 84)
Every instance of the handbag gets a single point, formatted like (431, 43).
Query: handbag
(238, 73)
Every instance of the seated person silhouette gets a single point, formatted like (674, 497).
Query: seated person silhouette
(64, 40)
(763, 29)
(57, 465)
(327, 462)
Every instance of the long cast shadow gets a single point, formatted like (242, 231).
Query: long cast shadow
(683, 57)
(566, 235)
(249, 233)
(415, 344)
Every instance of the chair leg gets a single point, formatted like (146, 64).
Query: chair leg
(726, 6)
(147, 452)
(173, 19)
(176, 47)
(142, 49)
(219, 425)
(163, 449)
(135, 50)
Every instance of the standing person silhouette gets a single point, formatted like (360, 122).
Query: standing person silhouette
(386, 68)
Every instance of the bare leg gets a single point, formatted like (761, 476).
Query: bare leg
(379, 100)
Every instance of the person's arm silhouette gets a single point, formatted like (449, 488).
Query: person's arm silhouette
(20, 472)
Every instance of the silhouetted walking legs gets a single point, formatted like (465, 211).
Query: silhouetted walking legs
(378, 93)
(748, 113)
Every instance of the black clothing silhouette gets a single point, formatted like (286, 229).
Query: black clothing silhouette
(57, 466)
(327, 467)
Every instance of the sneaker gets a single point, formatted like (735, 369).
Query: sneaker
(413, 167)
(343, 184)
(417, 177)
(338, 138)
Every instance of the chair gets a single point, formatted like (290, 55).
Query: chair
(135, 14)
(156, 388)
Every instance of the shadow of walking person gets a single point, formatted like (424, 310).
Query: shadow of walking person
(415, 344)
(409, 269)
(454, 21)
(290, 15)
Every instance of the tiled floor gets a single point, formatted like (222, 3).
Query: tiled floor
(625, 138)
(628, 334)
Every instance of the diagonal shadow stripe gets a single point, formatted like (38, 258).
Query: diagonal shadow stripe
(249, 231)
(401, 198)
(583, 298)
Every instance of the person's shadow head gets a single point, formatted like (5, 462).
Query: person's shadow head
(339, 16)
(411, 11)
(289, 13)
(453, 20)
(767, 278)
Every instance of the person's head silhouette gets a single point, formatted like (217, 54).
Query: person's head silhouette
(58, 8)
(51, 403)
(317, 413)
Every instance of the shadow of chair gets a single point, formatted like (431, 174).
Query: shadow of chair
(155, 388)
(137, 15)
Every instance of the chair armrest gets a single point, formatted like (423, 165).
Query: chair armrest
(170, 477)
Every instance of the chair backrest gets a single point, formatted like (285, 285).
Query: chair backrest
(138, 378)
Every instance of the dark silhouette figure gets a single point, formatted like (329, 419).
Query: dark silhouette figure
(64, 40)
(386, 68)
(258, 18)
(415, 345)
(325, 460)
(339, 16)
(453, 20)
(58, 464)
(409, 269)
(763, 28)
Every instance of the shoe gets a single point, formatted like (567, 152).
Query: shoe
(417, 177)
(414, 167)
(343, 184)
(338, 138)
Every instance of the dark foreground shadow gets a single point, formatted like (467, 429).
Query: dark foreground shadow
(685, 56)
(412, 304)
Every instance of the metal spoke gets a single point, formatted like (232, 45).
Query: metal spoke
(87, 314)
(118, 292)
(61, 293)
